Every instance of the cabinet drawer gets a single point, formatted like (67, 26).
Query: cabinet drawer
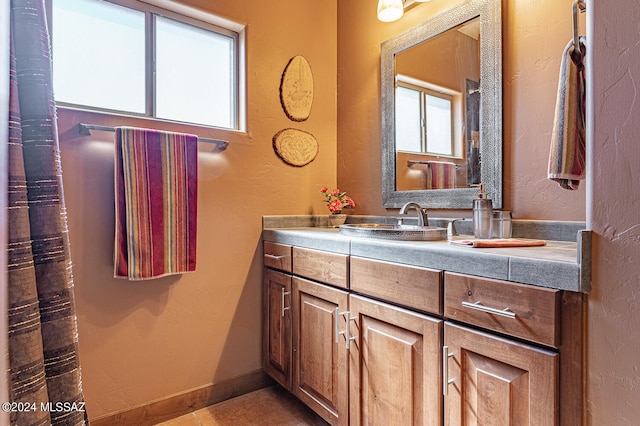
(410, 286)
(519, 310)
(322, 266)
(277, 256)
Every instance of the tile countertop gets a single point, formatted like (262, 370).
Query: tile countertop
(563, 265)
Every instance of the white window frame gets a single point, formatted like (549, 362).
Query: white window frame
(196, 17)
(439, 92)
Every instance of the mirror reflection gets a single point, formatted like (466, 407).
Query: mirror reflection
(437, 103)
(441, 108)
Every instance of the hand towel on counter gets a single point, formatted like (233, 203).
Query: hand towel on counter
(568, 140)
(442, 174)
(498, 243)
(156, 181)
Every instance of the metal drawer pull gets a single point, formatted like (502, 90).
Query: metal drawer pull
(273, 256)
(445, 370)
(348, 335)
(506, 312)
(347, 331)
(284, 293)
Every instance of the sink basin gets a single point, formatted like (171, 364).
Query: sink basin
(394, 232)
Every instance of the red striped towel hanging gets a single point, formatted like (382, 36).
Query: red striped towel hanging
(156, 175)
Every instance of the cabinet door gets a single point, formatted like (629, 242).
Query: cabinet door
(276, 323)
(395, 365)
(496, 381)
(320, 375)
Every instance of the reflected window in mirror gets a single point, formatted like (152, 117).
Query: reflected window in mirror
(424, 119)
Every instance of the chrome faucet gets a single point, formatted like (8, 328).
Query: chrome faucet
(423, 220)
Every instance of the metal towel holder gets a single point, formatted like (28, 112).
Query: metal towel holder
(578, 7)
(85, 129)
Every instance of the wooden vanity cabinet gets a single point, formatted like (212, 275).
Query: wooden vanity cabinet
(299, 326)
(276, 313)
(354, 360)
(365, 342)
(320, 374)
(512, 353)
(395, 357)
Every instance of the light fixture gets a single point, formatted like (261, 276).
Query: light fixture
(390, 10)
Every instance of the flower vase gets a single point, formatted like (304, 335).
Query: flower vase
(336, 220)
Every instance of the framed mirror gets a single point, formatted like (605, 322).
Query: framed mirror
(441, 90)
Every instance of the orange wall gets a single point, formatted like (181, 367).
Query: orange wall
(143, 341)
(532, 46)
(149, 340)
(446, 61)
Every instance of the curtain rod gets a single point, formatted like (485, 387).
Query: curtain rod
(85, 129)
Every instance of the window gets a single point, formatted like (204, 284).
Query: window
(131, 57)
(424, 120)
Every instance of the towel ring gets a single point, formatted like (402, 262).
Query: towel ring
(578, 6)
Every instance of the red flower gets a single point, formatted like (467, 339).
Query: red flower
(335, 206)
(349, 201)
(337, 200)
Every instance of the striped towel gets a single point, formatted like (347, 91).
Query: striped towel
(156, 184)
(568, 141)
(443, 175)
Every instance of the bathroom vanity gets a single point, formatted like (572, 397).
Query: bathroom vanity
(368, 331)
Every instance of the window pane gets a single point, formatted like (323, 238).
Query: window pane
(194, 74)
(408, 130)
(438, 125)
(99, 55)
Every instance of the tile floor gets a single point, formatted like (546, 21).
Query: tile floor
(272, 406)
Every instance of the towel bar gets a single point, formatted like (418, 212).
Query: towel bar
(427, 163)
(578, 6)
(85, 129)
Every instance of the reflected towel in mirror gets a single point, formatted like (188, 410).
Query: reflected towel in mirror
(442, 175)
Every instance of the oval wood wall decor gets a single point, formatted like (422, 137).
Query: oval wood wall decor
(295, 147)
(296, 89)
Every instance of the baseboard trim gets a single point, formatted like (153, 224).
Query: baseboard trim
(185, 402)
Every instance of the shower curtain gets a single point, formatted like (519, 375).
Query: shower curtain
(44, 377)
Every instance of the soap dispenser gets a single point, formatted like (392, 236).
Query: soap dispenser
(482, 215)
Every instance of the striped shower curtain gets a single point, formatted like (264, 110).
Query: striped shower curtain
(44, 376)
